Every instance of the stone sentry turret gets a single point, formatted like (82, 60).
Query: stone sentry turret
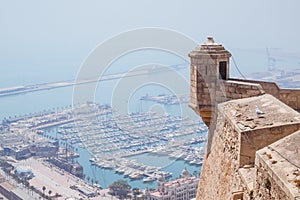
(249, 155)
(211, 83)
(209, 66)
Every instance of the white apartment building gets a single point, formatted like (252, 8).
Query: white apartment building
(183, 188)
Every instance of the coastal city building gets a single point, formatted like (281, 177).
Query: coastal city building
(183, 188)
(42, 149)
(73, 168)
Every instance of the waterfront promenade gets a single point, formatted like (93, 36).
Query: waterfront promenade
(59, 181)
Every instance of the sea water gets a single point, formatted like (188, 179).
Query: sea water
(61, 98)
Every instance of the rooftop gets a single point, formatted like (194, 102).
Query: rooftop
(176, 183)
(181, 181)
(209, 47)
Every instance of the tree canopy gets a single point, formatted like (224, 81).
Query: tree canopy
(120, 188)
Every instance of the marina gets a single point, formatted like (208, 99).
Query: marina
(113, 141)
(167, 99)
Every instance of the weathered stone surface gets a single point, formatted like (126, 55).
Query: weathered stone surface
(237, 133)
(279, 169)
(232, 145)
(247, 174)
(217, 180)
(257, 131)
(205, 59)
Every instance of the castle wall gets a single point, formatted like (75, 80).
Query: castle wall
(253, 140)
(238, 90)
(278, 169)
(202, 94)
(247, 183)
(235, 135)
(269, 87)
(232, 168)
(267, 186)
(219, 176)
(291, 97)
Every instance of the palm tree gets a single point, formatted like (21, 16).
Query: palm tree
(195, 173)
(27, 184)
(31, 188)
(56, 195)
(43, 188)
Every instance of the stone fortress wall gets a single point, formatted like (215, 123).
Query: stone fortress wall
(202, 94)
(239, 161)
(291, 97)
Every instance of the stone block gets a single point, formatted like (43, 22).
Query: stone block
(193, 89)
(253, 92)
(206, 96)
(220, 94)
(245, 86)
(200, 96)
(245, 95)
(231, 89)
(293, 98)
(193, 84)
(206, 90)
(193, 95)
(193, 76)
(235, 95)
(237, 195)
(241, 90)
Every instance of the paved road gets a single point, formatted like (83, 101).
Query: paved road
(58, 181)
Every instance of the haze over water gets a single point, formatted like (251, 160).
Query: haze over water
(49, 41)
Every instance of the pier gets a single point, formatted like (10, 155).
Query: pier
(167, 99)
(53, 85)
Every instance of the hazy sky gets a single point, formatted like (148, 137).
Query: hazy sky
(60, 33)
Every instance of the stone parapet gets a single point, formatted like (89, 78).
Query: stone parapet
(291, 97)
(278, 169)
(257, 131)
(232, 144)
(232, 89)
(247, 175)
(245, 118)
